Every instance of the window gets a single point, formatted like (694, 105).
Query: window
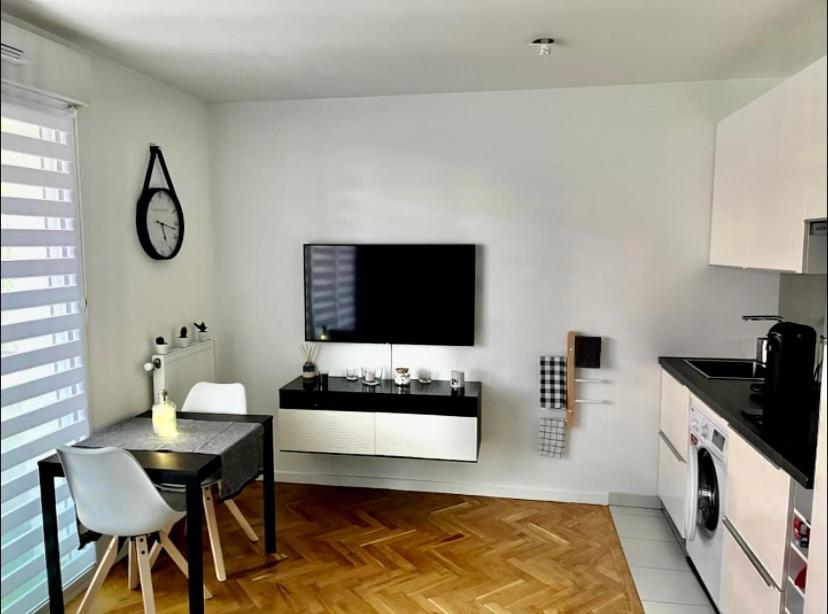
(43, 347)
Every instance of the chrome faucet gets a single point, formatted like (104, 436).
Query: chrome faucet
(762, 318)
(762, 342)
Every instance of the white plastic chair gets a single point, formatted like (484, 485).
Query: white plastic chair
(114, 496)
(212, 398)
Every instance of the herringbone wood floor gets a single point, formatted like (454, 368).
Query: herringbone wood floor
(362, 550)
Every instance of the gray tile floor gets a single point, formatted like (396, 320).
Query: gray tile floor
(662, 576)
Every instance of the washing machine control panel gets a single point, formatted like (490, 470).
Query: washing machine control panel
(704, 431)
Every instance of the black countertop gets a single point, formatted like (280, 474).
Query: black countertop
(791, 447)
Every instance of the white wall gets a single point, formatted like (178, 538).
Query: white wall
(131, 297)
(592, 206)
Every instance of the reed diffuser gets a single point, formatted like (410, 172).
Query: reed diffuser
(309, 353)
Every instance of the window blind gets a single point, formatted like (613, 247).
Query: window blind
(42, 346)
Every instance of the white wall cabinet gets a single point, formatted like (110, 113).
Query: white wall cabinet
(426, 436)
(334, 432)
(770, 176)
(758, 505)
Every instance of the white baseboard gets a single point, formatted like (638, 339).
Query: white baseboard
(532, 493)
(634, 500)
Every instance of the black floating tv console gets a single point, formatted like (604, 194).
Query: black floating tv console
(429, 421)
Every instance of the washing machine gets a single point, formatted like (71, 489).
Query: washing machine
(707, 466)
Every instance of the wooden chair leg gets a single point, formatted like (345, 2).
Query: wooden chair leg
(153, 553)
(237, 514)
(146, 575)
(212, 531)
(100, 575)
(132, 566)
(156, 547)
(178, 558)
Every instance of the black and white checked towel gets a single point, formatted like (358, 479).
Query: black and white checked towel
(553, 382)
(552, 436)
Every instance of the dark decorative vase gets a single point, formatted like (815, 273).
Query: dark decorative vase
(309, 376)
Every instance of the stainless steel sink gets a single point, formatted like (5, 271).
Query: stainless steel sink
(728, 368)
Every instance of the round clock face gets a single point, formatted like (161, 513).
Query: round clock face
(160, 223)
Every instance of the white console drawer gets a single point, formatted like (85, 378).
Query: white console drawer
(426, 436)
(336, 432)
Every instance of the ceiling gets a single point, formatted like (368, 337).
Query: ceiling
(224, 50)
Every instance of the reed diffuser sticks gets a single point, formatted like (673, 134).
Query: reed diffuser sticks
(309, 352)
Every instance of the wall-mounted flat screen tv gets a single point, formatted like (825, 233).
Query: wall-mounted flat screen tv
(407, 294)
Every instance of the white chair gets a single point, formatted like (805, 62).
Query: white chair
(114, 496)
(208, 397)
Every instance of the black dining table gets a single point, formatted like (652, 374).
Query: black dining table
(187, 468)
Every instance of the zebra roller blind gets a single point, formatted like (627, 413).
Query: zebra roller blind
(43, 364)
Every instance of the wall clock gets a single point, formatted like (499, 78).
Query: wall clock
(159, 218)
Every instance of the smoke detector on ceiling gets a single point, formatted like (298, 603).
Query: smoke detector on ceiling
(11, 54)
(544, 45)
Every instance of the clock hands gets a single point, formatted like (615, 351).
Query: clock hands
(163, 232)
(166, 225)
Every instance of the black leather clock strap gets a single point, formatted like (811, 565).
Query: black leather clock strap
(166, 172)
(155, 153)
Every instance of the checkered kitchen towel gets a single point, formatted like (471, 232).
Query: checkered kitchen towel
(552, 436)
(553, 382)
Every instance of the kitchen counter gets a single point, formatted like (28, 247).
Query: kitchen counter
(792, 449)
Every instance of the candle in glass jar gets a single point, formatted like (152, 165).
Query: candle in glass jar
(163, 417)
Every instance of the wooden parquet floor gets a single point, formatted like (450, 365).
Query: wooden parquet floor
(354, 550)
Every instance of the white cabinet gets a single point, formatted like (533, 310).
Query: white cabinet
(743, 587)
(758, 505)
(770, 176)
(816, 161)
(672, 448)
(453, 438)
(816, 594)
(426, 436)
(675, 409)
(672, 483)
(335, 432)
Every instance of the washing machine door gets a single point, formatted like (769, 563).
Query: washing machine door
(707, 492)
(691, 494)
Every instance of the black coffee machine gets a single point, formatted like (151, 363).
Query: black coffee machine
(791, 351)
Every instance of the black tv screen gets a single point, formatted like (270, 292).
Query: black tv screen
(407, 294)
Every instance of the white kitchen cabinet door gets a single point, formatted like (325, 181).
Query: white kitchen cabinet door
(816, 160)
(758, 504)
(770, 175)
(816, 595)
(742, 587)
(732, 171)
(425, 436)
(776, 193)
(672, 484)
(675, 410)
(336, 432)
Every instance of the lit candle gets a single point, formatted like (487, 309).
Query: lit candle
(163, 417)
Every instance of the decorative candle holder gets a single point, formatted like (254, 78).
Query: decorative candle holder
(402, 377)
(164, 419)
